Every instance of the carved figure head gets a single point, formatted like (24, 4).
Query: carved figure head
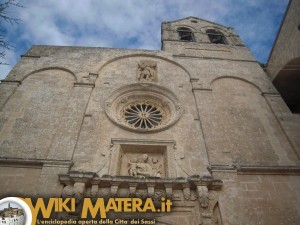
(133, 160)
(145, 157)
(154, 160)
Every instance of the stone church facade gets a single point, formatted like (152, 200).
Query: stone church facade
(198, 122)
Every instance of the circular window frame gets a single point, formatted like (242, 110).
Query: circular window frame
(147, 94)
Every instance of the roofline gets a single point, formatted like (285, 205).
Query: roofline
(279, 30)
(193, 17)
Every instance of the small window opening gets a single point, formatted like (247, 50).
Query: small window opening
(185, 34)
(216, 37)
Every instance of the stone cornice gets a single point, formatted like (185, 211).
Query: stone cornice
(208, 58)
(18, 82)
(34, 163)
(90, 178)
(149, 141)
(249, 169)
(269, 170)
(79, 84)
(31, 56)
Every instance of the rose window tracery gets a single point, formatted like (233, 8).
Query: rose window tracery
(143, 115)
(143, 108)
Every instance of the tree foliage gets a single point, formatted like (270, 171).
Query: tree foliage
(5, 17)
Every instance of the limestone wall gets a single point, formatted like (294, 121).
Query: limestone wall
(62, 117)
(259, 199)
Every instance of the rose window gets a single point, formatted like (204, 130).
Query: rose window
(143, 108)
(143, 116)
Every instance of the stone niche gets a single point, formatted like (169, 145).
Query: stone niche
(142, 158)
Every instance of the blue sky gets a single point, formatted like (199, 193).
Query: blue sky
(134, 23)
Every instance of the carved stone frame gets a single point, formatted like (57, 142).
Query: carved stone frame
(166, 147)
(143, 93)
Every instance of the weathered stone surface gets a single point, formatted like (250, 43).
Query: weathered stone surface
(259, 199)
(79, 122)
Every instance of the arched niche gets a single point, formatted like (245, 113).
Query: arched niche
(33, 113)
(51, 68)
(259, 88)
(240, 127)
(121, 71)
(135, 58)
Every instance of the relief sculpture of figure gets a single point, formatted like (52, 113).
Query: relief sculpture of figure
(146, 71)
(143, 169)
(133, 167)
(156, 167)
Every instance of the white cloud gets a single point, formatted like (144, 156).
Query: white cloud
(136, 23)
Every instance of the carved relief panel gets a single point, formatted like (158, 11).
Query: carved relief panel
(147, 71)
(142, 165)
(142, 158)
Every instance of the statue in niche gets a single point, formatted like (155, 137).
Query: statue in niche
(142, 168)
(147, 71)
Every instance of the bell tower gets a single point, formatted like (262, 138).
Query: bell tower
(197, 37)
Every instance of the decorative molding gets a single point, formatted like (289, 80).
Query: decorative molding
(274, 94)
(269, 170)
(209, 49)
(31, 56)
(18, 82)
(217, 168)
(77, 84)
(194, 191)
(91, 179)
(144, 141)
(202, 89)
(203, 57)
(34, 163)
(245, 169)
